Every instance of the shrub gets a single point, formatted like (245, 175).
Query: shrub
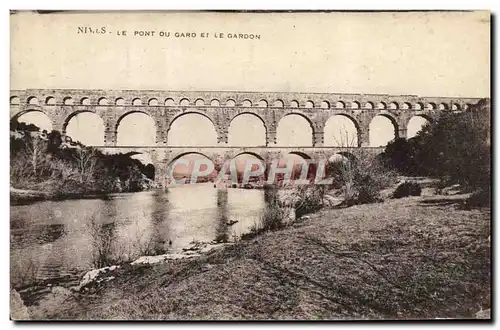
(361, 178)
(406, 189)
(283, 206)
(306, 199)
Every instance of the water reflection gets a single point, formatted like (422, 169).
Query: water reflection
(54, 239)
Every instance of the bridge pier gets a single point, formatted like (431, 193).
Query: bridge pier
(110, 137)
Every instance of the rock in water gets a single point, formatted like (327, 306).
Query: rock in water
(18, 311)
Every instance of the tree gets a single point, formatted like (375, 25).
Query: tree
(86, 161)
(358, 173)
(455, 148)
(34, 152)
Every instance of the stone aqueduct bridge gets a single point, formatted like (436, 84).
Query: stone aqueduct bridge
(60, 105)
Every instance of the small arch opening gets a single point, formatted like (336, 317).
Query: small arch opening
(278, 104)
(431, 106)
(246, 103)
(262, 104)
(68, 100)
(14, 100)
(33, 100)
(443, 106)
(393, 106)
(50, 100)
(102, 101)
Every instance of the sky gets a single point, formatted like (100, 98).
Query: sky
(427, 54)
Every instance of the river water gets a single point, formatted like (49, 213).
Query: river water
(53, 240)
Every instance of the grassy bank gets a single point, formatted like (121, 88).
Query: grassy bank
(417, 257)
(24, 196)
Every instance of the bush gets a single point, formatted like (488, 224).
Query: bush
(407, 189)
(306, 199)
(361, 178)
(292, 203)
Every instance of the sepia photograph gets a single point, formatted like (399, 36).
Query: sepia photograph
(250, 165)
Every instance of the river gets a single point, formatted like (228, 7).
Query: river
(58, 240)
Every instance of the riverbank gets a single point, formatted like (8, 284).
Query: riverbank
(24, 196)
(416, 257)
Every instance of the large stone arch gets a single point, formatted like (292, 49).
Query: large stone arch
(352, 141)
(129, 112)
(415, 123)
(186, 153)
(250, 153)
(299, 114)
(49, 119)
(345, 155)
(380, 137)
(300, 159)
(87, 134)
(185, 170)
(262, 142)
(183, 115)
(19, 113)
(146, 138)
(240, 163)
(300, 153)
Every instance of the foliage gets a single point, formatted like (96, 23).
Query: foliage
(360, 177)
(286, 204)
(455, 148)
(46, 162)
